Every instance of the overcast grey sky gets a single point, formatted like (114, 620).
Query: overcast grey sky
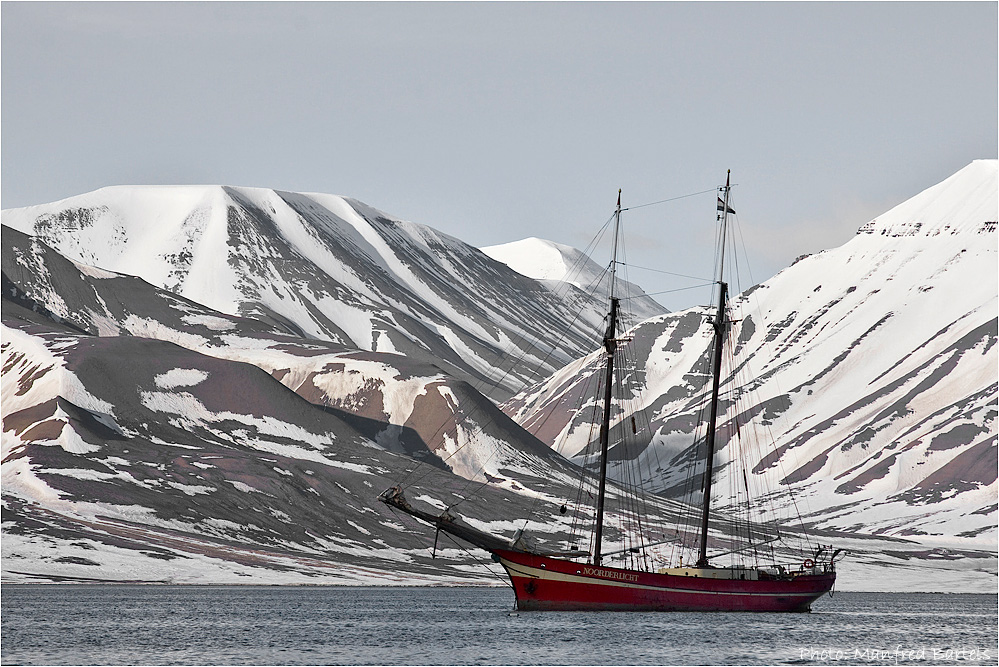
(495, 121)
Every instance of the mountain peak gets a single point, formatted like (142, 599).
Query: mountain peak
(966, 202)
(546, 260)
(541, 259)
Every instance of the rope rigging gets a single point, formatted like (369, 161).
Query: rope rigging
(663, 201)
(630, 438)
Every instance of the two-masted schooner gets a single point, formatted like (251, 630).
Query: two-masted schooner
(579, 580)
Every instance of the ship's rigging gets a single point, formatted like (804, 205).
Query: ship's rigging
(637, 537)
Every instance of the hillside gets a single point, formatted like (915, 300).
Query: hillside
(149, 438)
(871, 368)
(149, 435)
(327, 268)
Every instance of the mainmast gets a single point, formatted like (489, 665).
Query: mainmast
(720, 325)
(610, 345)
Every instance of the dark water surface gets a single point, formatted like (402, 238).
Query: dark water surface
(236, 625)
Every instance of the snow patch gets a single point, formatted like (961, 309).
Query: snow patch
(180, 377)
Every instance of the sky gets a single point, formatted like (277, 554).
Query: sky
(494, 122)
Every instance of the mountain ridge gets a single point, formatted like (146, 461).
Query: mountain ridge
(325, 267)
(892, 335)
(390, 411)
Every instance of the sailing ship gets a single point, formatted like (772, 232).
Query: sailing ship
(576, 580)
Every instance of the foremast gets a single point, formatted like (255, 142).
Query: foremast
(447, 523)
(610, 347)
(720, 325)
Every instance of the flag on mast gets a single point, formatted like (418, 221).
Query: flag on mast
(722, 207)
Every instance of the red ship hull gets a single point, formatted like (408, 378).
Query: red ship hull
(543, 583)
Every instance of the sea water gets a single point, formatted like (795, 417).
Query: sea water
(247, 625)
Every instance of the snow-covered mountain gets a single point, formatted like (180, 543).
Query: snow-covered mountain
(328, 268)
(133, 459)
(148, 436)
(557, 263)
(403, 405)
(872, 368)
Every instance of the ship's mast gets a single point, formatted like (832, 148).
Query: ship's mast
(610, 345)
(720, 325)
